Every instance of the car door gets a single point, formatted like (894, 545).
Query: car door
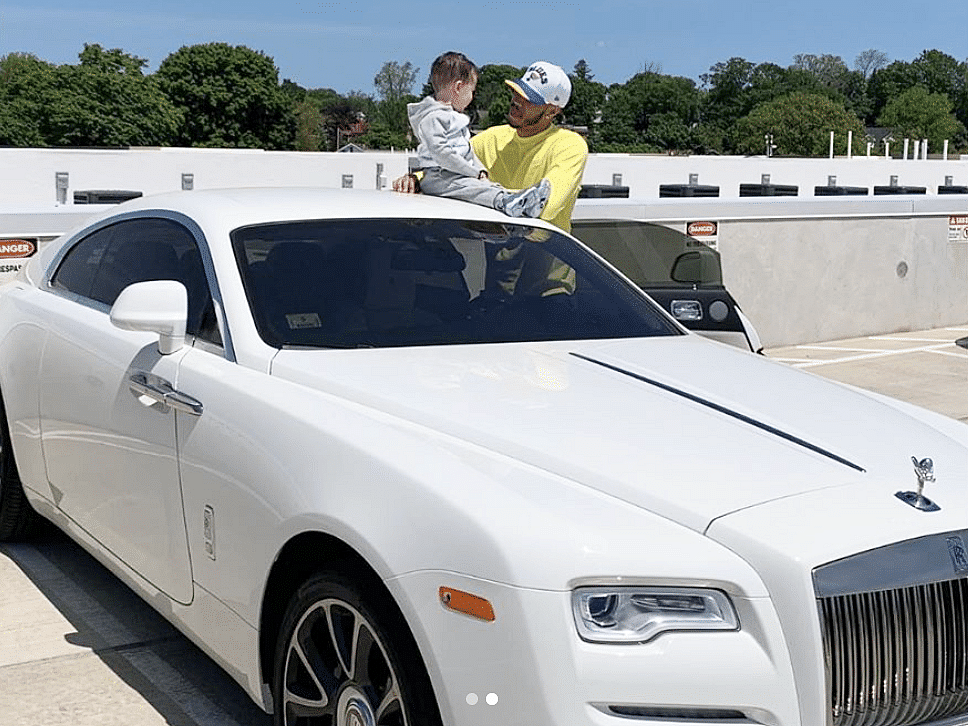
(679, 272)
(109, 443)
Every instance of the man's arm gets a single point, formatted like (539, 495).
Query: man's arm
(565, 174)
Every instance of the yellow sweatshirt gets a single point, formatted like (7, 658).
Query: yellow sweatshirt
(517, 162)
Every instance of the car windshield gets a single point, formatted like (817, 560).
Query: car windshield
(652, 255)
(404, 282)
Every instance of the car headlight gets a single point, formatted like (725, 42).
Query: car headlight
(638, 614)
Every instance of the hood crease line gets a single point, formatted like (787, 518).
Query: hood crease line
(727, 411)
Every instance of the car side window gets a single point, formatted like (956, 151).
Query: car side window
(77, 270)
(101, 265)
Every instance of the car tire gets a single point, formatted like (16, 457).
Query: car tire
(345, 657)
(17, 519)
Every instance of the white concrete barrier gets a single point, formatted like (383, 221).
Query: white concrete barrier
(643, 174)
(28, 176)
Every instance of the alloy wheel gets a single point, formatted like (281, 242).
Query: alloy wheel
(337, 671)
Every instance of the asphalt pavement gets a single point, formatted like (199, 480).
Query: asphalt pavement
(77, 647)
(927, 367)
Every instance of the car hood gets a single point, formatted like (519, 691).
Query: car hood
(688, 429)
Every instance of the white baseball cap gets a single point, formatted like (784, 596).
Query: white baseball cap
(543, 83)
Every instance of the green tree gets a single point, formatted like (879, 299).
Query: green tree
(310, 135)
(726, 98)
(961, 94)
(917, 114)
(395, 80)
(832, 77)
(309, 121)
(341, 113)
(937, 72)
(800, 124)
(829, 70)
(106, 100)
(335, 112)
(492, 99)
(27, 90)
(587, 101)
(389, 126)
(582, 71)
(940, 73)
(889, 82)
(734, 88)
(319, 113)
(230, 96)
(869, 61)
(618, 131)
(651, 112)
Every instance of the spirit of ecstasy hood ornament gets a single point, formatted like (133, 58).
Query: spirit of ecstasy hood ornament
(924, 469)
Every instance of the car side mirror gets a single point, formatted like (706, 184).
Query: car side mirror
(155, 306)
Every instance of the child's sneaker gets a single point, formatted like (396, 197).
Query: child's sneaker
(527, 202)
(543, 189)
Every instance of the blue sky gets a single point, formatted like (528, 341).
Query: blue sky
(342, 45)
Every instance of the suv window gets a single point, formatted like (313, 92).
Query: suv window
(105, 262)
(652, 255)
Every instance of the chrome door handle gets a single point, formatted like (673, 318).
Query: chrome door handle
(184, 403)
(160, 390)
(154, 388)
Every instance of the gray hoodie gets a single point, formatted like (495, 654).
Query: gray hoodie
(445, 140)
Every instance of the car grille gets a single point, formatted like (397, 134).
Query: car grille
(897, 656)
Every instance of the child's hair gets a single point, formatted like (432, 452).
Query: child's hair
(450, 67)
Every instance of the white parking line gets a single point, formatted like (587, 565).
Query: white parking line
(952, 354)
(912, 340)
(834, 347)
(878, 354)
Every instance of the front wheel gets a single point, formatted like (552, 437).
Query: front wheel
(346, 658)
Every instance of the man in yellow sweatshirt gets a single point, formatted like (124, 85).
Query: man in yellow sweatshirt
(530, 147)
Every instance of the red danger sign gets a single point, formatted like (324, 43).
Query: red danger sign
(958, 228)
(12, 248)
(702, 229)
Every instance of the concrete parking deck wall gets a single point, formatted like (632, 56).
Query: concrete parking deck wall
(805, 270)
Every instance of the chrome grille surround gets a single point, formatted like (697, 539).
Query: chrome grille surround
(895, 633)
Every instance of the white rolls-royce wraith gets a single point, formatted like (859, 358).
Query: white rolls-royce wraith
(394, 460)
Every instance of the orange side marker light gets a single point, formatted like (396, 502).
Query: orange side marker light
(464, 602)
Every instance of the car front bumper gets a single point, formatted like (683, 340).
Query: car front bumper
(529, 666)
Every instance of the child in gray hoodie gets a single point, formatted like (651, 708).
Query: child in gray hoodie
(450, 167)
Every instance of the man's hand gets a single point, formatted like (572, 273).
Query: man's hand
(407, 184)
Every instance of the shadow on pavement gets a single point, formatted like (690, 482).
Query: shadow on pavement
(167, 675)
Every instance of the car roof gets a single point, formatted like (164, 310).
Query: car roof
(233, 208)
(219, 211)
